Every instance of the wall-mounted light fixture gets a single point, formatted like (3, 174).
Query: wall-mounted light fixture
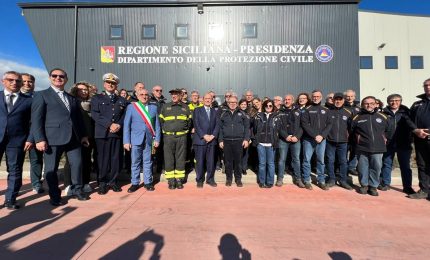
(200, 8)
(381, 46)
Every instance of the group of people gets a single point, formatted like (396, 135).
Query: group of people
(341, 137)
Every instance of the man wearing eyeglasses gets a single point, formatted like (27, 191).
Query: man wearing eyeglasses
(158, 100)
(108, 112)
(15, 110)
(58, 128)
(399, 141)
(420, 115)
(370, 129)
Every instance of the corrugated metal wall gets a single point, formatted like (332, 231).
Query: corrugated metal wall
(334, 25)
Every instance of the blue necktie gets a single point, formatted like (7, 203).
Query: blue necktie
(208, 112)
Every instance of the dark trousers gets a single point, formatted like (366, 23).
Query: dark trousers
(36, 165)
(14, 162)
(233, 152)
(109, 160)
(205, 159)
(175, 153)
(52, 158)
(422, 150)
(86, 162)
(337, 151)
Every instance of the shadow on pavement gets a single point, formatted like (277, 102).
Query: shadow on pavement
(339, 256)
(135, 248)
(230, 248)
(64, 245)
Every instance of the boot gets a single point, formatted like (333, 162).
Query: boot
(179, 184)
(171, 184)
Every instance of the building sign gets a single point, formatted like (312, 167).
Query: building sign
(218, 54)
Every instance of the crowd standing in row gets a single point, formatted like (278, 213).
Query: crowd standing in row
(94, 130)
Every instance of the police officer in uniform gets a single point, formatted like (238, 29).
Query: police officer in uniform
(108, 112)
(175, 119)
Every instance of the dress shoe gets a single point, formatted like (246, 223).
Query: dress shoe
(11, 205)
(228, 183)
(39, 190)
(172, 185)
(133, 188)
(331, 183)
(179, 184)
(56, 203)
(199, 184)
(149, 187)
(363, 190)
(419, 195)
(212, 184)
(373, 191)
(87, 188)
(115, 188)
(103, 190)
(239, 183)
(80, 196)
(409, 191)
(308, 186)
(322, 185)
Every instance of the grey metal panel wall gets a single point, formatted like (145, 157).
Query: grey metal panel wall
(53, 31)
(335, 25)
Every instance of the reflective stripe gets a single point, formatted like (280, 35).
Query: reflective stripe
(168, 118)
(179, 174)
(161, 116)
(169, 174)
(175, 133)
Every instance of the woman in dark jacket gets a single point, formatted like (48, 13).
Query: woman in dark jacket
(243, 105)
(265, 138)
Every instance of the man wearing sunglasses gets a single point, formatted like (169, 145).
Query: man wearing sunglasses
(15, 110)
(420, 115)
(58, 128)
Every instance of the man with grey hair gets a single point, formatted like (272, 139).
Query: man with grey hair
(249, 96)
(354, 107)
(277, 102)
(15, 138)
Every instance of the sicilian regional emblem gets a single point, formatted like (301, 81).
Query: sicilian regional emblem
(324, 53)
(107, 54)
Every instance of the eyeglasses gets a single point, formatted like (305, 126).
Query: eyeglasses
(58, 76)
(158, 90)
(426, 85)
(269, 106)
(184, 92)
(12, 80)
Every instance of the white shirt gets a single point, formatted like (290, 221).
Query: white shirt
(6, 96)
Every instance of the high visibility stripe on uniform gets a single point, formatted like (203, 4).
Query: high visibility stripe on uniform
(169, 118)
(175, 133)
(179, 174)
(169, 174)
(161, 116)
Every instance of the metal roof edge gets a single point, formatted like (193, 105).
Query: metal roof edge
(178, 3)
(391, 13)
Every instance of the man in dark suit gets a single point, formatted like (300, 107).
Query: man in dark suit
(57, 127)
(15, 110)
(206, 127)
(108, 112)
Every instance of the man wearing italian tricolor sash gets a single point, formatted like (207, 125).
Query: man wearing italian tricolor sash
(141, 134)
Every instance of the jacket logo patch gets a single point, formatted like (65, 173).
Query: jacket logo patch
(313, 112)
(323, 112)
(297, 113)
(362, 121)
(378, 120)
(239, 114)
(168, 108)
(345, 118)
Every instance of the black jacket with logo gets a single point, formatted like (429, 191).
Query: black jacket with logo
(399, 134)
(234, 126)
(420, 112)
(289, 123)
(264, 129)
(316, 121)
(341, 122)
(370, 129)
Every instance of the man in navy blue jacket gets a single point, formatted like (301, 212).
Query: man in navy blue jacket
(206, 127)
(15, 110)
(58, 128)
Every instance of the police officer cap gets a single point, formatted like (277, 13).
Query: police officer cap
(338, 95)
(110, 77)
(175, 91)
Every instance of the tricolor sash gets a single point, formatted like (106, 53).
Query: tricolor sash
(145, 116)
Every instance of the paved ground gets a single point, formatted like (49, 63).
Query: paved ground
(218, 223)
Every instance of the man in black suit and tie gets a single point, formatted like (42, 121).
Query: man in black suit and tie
(15, 110)
(206, 128)
(57, 127)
